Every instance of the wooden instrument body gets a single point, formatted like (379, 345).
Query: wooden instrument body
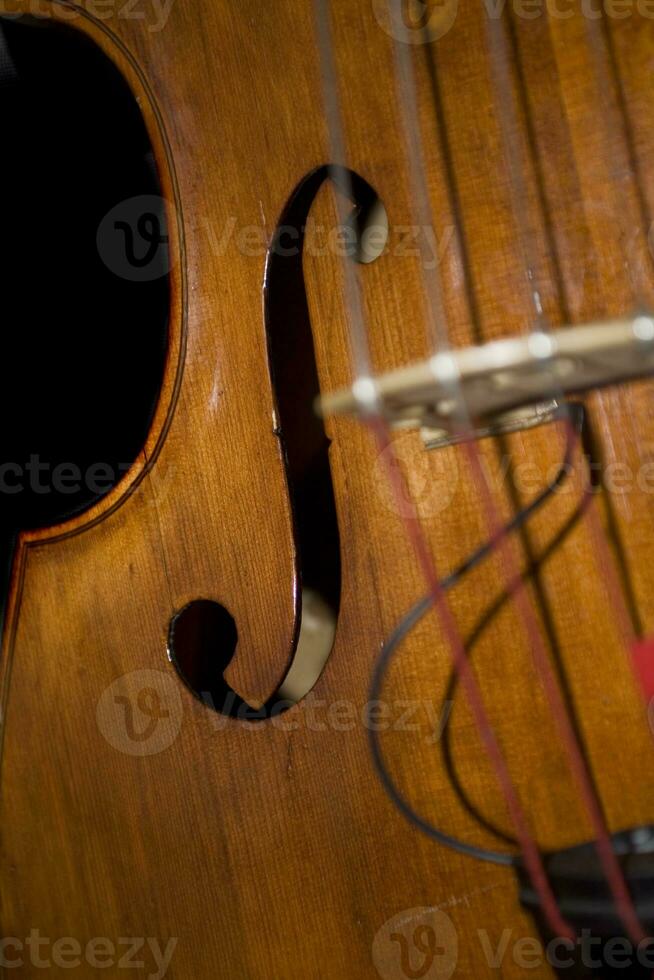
(270, 848)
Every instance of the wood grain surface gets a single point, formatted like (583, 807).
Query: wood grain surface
(270, 849)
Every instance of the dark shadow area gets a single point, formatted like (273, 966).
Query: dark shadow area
(82, 339)
(294, 374)
(201, 642)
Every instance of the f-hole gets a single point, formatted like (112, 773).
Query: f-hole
(305, 450)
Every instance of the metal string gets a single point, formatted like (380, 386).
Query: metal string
(506, 108)
(614, 114)
(365, 390)
(360, 351)
(407, 95)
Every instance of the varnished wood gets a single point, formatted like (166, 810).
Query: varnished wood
(270, 849)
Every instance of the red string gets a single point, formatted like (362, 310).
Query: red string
(641, 650)
(533, 862)
(610, 864)
(531, 855)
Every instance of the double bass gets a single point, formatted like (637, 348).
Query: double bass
(327, 630)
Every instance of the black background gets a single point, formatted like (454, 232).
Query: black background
(82, 349)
